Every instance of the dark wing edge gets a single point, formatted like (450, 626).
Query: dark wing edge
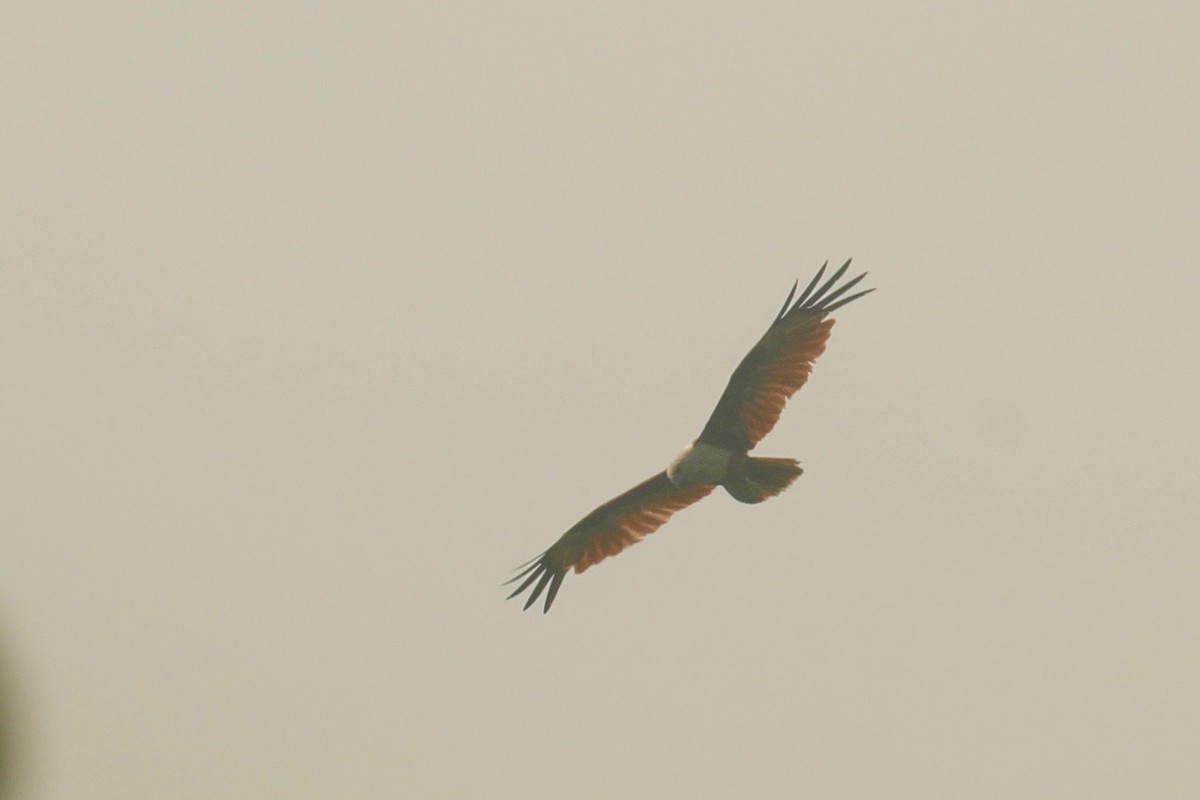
(620, 523)
(725, 427)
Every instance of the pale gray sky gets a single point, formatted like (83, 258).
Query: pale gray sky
(315, 321)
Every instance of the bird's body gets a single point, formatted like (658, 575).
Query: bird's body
(774, 369)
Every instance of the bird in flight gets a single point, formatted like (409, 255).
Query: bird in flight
(774, 369)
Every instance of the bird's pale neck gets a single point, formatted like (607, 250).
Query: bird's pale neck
(699, 462)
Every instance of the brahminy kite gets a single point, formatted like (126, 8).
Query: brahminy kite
(771, 372)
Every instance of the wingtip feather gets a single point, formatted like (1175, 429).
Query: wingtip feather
(552, 592)
(849, 299)
(533, 576)
(787, 302)
(526, 568)
(841, 290)
(808, 289)
(537, 590)
(820, 293)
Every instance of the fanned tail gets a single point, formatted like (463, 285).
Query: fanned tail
(760, 478)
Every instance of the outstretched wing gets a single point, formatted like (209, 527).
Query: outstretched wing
(778, 365)
(623, 521)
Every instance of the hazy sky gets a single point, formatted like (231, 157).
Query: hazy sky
(317, 320)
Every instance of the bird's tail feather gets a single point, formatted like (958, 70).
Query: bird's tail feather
(760, 478)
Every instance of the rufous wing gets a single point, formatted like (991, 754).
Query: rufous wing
(778, 365)
(621, 522)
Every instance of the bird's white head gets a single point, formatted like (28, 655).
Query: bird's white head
(699, 462)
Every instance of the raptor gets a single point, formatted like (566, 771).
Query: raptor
(774, 369)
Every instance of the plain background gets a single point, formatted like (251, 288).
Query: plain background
(317, 319)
